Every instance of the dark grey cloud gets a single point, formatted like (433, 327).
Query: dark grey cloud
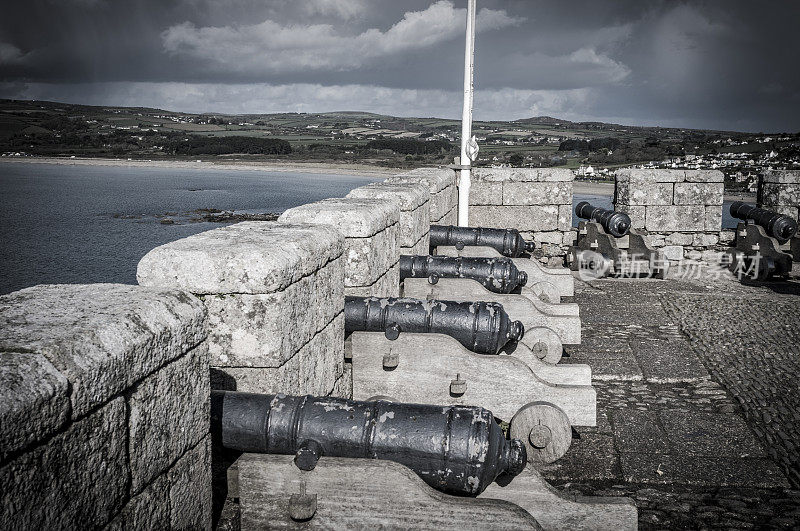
(716, 64)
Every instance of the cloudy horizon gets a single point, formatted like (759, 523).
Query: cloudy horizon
(695, 64)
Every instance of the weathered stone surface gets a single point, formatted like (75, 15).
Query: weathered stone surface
(34, 400)
(386, 286)
(101, 337)
(486, 193)
(79, 478)
(782, 176)
(780, 194)
(410, 195)
(641, 175)
(636, 213)
(690, 470)
(450, 218)
(168, 414)
(705, 240)
(704, 176)
(673, 252)
(420, 247)
(565, 216)
(266, 330)
(534, 218)
(248, 257)
(414, 206)
(570, 237)
(353, 217)
(313, 370)
(679, 238)
(437, 179)
(522, 174)
(147, 510)
(442, 203)
(190, 488)
(367, 259)
(643, 193)
(713, 218)
(537, 193)
(548, 237)
(698, 193)
(639, 431)
(675, 218)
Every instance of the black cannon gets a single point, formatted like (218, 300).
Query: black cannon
(615, 223)
(508, 242)
(780, 227)
(456, 449)
(499, 275)
(482, 327)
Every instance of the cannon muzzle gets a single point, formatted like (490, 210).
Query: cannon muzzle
(615, 223)
(508, 242)
(455, 449)
(499, 275)
(482, 327)
(780, 227)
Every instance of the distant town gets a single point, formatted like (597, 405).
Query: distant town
(594, 150)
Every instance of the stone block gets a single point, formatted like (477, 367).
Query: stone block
(642, 175)
(34, 400)
(639, 431)
(698, 193)
(710, 434)
(705, 240)
(673, 252)
(386, 286)
(313, 370)
(80, 477)
(190, 489)
(168, 414)
(414, 206)
(437, 179)
(537, 193)
(780, 194)
(522, 174)
(486, 193)
(704, 176)
(570, 237)
(420, 247)
(147, 510)
(675, 218)
(248, 257)
(713, 218)
(101, 337)
(450, 218)
(265, 330)
(564, 217)
(679, 238)
(443, 202)
(354, 218)
(367, 259)
(781, 176)
(700, 471)
(643, 194)
(554, 237)
(636, 213)
(538, 218)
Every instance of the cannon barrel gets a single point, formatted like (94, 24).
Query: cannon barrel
(615, 223)
(508, 242)
(456, 449)
(780, 227)
(499, 275)
(482, 327)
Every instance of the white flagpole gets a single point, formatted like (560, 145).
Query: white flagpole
(467, 152)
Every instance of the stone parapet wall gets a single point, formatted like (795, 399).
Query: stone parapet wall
(371, 229)
(680, 209)
(441, 183)
(536, 201)
(104, 408)
(779, 190)
(274, 293)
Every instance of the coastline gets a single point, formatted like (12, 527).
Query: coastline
(358, 170)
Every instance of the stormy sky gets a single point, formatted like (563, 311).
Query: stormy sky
(723, 64)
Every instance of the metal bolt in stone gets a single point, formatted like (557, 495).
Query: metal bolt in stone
(391, 360)
(458, 386)
(540, 350)
(302, 506)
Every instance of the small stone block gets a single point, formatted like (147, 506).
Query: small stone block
(355, 218)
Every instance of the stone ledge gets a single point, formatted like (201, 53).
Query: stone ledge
(248, 257)
(437, 179)
(782, 176)
(354, 218)
(101, 337)
(410, 195)
(522, 174)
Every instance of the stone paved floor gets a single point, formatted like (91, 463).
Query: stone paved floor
(698, 402)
